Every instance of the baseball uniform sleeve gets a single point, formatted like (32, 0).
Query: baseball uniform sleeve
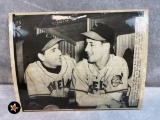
(117, 79)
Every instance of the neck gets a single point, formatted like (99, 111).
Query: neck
(48, 65)
(55, 70)
(101, 63)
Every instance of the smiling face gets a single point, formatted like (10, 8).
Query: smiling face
(96, 50)
(51, 57)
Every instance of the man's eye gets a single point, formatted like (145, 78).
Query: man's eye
(53, 50)
(92, 45)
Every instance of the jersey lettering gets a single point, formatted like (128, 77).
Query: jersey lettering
(90, 90)
(52, 85)
(101, 85)
(97, 86)
(59, 84)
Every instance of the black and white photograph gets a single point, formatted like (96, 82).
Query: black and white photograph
(79, 60)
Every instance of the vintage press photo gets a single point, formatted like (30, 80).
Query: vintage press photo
(86, 60)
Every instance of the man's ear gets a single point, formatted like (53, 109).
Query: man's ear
(41, 56)
(106, 46)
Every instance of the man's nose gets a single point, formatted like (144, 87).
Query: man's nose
(59, 52)
(87, 48)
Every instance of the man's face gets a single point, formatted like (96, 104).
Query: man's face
(95, 50)
(52, 56)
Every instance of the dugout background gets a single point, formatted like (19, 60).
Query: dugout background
(153, 68)
(151, 101)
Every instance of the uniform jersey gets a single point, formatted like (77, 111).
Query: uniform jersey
(93, 87)
(41, 82)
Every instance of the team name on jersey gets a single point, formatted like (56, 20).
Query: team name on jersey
(96, 86)
(100, 86)
(52, 85)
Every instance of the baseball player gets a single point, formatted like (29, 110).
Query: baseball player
(48, 79)
(101, 79)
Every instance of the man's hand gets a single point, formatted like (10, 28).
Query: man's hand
(54, 93)
(50, 107)
(102, 107)
(66, 90)
(115, 104)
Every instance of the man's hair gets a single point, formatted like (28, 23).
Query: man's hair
(112, 51)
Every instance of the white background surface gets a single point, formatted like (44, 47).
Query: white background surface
(150, 110)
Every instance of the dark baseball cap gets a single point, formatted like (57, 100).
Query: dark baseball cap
(45, 41)
(101, 32)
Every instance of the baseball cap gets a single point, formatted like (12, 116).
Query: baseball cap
(45, 41)
(101, 32)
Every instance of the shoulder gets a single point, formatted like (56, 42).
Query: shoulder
(68, 58)
(32, 72)
(119, 64)
(117, 59)
(81, 68)
(32, 67)
(83, 64)
(70, 61)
